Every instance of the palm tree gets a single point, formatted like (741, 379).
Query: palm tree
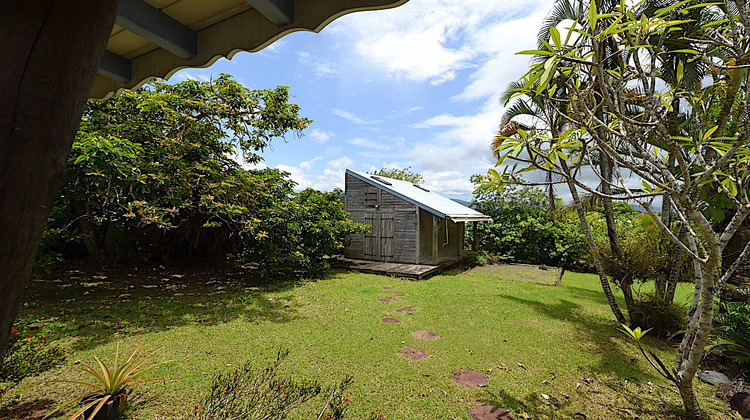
(548, 114)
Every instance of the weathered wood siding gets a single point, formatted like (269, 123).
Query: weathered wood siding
(401, 232)
(393, 221)
(434, 247)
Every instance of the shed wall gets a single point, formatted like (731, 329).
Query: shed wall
(393, 220)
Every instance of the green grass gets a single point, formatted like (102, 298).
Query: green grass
(210, 322)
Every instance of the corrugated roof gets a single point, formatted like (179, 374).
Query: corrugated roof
(423, 198)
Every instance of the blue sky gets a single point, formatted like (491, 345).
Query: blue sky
(417, 86)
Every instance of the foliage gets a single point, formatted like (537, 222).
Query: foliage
(636, 334)
(298, 234)
(404, 174)
(733, 326)
(151, 176)
(109, 382)
(651, 312)
(522, 230)
(249, 393)
(479, 258)
(660, 90)
(28, 355)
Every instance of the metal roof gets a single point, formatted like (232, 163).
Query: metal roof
(423, 198)
(155, 38)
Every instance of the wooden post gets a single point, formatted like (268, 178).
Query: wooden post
(51, 53)
(475, 243)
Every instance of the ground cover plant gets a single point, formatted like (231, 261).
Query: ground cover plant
(549, 352)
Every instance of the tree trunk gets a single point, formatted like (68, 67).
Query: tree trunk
(605, 166)
(692, 409)
(550, 194)
(51, 52)
(89, 237)
(675, 271)
(592, 248)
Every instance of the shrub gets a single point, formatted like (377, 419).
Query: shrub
(249, 393)
(650, 311)
(480, 258)
(522, 230)
(27, 355)
(734, 331)
(734, 322)
(298, 234)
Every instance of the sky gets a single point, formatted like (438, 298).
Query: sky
(414, 86)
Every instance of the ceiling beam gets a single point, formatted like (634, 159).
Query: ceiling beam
(155, 26)
(115, 67)
(280, 12)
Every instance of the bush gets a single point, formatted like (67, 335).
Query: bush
(480, 258)
(650, 311)
(522, 230)
(27, 355)
(249, 393)
(298, 234)
(734, 322)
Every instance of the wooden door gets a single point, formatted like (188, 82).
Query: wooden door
(379, 242)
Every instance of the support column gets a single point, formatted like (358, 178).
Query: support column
(475, 243)
(51, 53)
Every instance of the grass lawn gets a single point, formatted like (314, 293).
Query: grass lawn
(576, 363)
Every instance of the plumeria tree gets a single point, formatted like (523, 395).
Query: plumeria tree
(620, 103)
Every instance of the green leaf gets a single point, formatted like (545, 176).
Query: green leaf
(535, 52)
(709, 132)
(555, 35)
(680, 71)
(592, 15)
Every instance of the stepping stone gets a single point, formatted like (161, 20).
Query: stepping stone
(488, 412)
(387, 288)
(389, 320)
(415, 354)
(425, 335)
(399, 294)
(713, 378)
(386, 300)
(471, 378)
(404, 310)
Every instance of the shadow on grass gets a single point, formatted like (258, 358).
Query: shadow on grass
(26, 410)
(94, 307)
(622, 399)
(601, 333)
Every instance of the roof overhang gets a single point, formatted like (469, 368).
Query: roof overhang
(156, 38)
(459, 219)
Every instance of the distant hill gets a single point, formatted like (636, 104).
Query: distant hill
(460, 201)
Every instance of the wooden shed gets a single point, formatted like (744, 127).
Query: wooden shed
(410, 224)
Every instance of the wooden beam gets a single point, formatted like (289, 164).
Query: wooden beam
(280, 12)
(155, 26)
(115, 67)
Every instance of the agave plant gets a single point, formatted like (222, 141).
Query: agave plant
(109, 385)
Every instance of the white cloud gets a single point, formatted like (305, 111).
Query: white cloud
(332, 177)
(351, 117)
(306, 165)
(432, 40)
(320, 136)
(369, 144)
(320, 67)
